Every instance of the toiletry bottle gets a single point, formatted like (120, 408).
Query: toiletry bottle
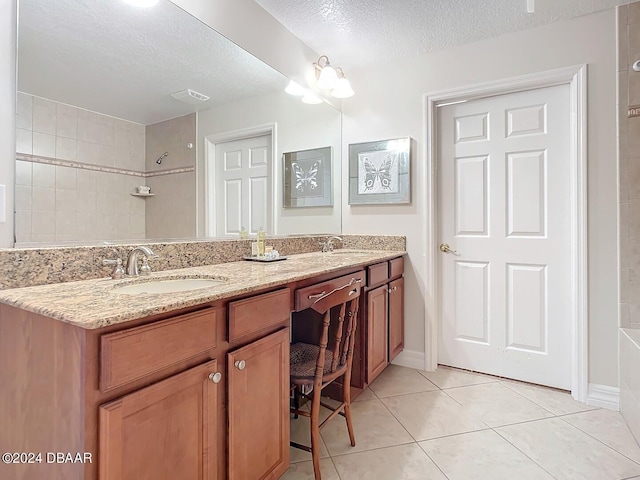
(261, 237)
(243, 233)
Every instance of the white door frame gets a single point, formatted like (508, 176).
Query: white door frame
(576, 77)
(210, 142)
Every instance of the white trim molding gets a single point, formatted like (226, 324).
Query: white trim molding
(604, 396)
(410, 359)
(576, 77)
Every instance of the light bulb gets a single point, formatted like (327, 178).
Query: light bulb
(328, 77)
(311, 99)
(342, 89)
(294, 89)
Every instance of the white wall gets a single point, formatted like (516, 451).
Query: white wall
(7, 115)
(299, 127)
(389, 103)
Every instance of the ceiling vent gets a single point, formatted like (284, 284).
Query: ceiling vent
(190, 96)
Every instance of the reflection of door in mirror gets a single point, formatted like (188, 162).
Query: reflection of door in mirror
(241, 186)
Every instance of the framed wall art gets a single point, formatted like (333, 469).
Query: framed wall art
(380, 172)
(307, 178)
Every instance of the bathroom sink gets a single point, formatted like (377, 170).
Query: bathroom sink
(167, 285)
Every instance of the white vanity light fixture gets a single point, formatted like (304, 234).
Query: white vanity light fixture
(327, 76)
(142, 3)
(636, 66)
(330, 78)
(342, 88)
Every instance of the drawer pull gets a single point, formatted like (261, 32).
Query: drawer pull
(316, 295)
(215, 377)
(240, 364)
(323, 295)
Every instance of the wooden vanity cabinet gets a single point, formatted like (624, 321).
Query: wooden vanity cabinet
(258, 386)
(166, 430)
(396, 318)
(258, 408)
(170, 428)
(196, 394)
(377, 331)
(383, 315)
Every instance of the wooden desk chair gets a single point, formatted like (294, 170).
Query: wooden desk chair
(321, 364)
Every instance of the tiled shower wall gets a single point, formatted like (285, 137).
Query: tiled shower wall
(629, 167)
(74, 174)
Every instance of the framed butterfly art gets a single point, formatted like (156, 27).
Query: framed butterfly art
(307, 178)
(380, 172)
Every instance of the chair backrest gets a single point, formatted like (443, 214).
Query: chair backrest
(342, 302)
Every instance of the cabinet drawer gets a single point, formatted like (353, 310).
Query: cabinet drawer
(377, 274)
(134, 353)
(302, 300)
(396, 267)
(258, 313)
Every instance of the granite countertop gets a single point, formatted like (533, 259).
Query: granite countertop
(95, 303)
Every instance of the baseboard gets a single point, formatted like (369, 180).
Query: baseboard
(410, 359)
(604, 396)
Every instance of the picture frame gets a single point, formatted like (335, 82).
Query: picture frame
(380, 172)
(307, 178)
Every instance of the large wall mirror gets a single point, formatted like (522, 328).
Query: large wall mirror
(146, 124)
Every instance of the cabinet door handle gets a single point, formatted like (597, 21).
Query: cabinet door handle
(240, 364)
(391, 290)
(215, 377)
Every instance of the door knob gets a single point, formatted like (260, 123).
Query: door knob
(240, 364)
(445, 248)
(215, 377)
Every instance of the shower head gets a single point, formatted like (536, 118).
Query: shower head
(159, 160)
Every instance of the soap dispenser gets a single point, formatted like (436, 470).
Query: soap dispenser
(261, 239)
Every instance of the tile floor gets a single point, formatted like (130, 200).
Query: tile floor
(455, 425)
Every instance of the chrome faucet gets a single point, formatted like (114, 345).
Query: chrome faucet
(327, 246)
(132, 259)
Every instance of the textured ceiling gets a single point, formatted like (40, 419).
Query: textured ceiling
(109, 57)
(361, 32)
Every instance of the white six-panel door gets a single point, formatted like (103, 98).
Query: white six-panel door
(503, 209)
(242, 189)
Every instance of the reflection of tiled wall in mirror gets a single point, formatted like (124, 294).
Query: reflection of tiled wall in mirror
(75, 171)
(629, 167)
(171, 213)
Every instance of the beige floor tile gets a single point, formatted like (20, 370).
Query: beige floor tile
(446, 377)
(304, 471)
(610, 428)
(406, 462)
(496, 405)
(373, 425)
(366, 395)
(429, 415)
(481, 456)
(399, 381)
(566, 452)
(556, 401)
(301, 433)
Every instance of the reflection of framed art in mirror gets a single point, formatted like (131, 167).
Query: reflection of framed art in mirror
(307, 178)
